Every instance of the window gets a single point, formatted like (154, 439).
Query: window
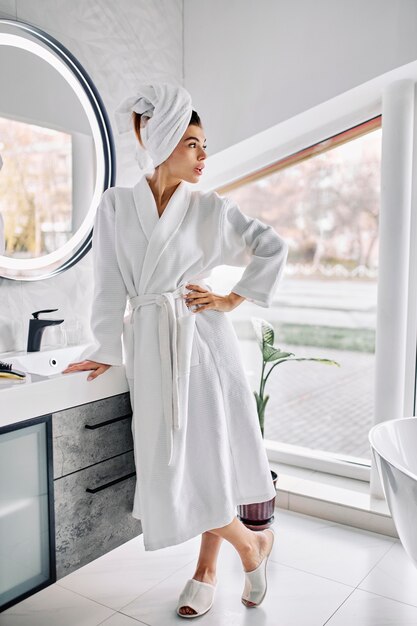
(324, 201)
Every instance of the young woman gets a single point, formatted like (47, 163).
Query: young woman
(198, 447)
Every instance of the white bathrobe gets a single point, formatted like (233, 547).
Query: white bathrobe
(197, 442)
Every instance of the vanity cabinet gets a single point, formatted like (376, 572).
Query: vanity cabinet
(94, 481)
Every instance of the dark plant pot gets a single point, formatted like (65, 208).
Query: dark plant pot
(259, 515)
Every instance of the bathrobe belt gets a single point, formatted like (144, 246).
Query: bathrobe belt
(168, 349)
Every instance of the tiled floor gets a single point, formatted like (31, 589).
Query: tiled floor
(319, 573)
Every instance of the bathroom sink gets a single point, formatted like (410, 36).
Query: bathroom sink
(45, 362)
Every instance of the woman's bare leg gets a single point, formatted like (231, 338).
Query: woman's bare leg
(207, 561)
(251, 545)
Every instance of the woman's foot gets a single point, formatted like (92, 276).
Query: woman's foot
(253, 586)
(261, 547)
(204, 577)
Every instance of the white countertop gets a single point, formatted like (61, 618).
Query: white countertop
(38, 395)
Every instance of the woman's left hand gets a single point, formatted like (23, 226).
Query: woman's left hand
(204, 300)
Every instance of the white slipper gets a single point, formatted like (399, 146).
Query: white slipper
(255, 581)
(198, 596)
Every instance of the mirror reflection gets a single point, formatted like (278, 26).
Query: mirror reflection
(57, 152)
(47, 147)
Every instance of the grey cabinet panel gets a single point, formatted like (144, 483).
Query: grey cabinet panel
(90, 524)
(76, 447)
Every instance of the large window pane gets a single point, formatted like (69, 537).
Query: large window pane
(326, 207)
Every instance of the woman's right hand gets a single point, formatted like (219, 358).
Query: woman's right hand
(99, 368)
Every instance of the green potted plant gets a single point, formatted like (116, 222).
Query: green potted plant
(260, 515)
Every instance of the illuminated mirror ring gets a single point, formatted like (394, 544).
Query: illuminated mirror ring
(68, 113)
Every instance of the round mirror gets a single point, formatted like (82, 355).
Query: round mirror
(57, 154)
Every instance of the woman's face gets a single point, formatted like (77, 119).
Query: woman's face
(189, 154)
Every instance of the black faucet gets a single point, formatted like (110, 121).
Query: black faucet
(36, 328)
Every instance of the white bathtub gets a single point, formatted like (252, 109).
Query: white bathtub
(394, 449)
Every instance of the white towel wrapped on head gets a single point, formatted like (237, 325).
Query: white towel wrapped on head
(169, 110)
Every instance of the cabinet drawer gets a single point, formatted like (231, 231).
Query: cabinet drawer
(87, 434)
(90, 524)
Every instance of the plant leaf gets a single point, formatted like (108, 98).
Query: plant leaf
(268, 333)
(325, 361)
(270, 353)
(265, 401)
(264, 331)
(258, 402)
(257, 327)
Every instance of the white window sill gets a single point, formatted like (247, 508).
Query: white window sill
(331, 497)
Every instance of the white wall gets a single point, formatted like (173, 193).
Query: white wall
(249, 65)
(119, 44)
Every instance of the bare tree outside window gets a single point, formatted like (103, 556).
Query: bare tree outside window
(35, 188)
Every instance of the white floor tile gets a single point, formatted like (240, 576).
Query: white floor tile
(367, 609)
(395, 577)
(325, 548)
(117, 619)
(55, 606)
(294, 598)
(120, 576)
